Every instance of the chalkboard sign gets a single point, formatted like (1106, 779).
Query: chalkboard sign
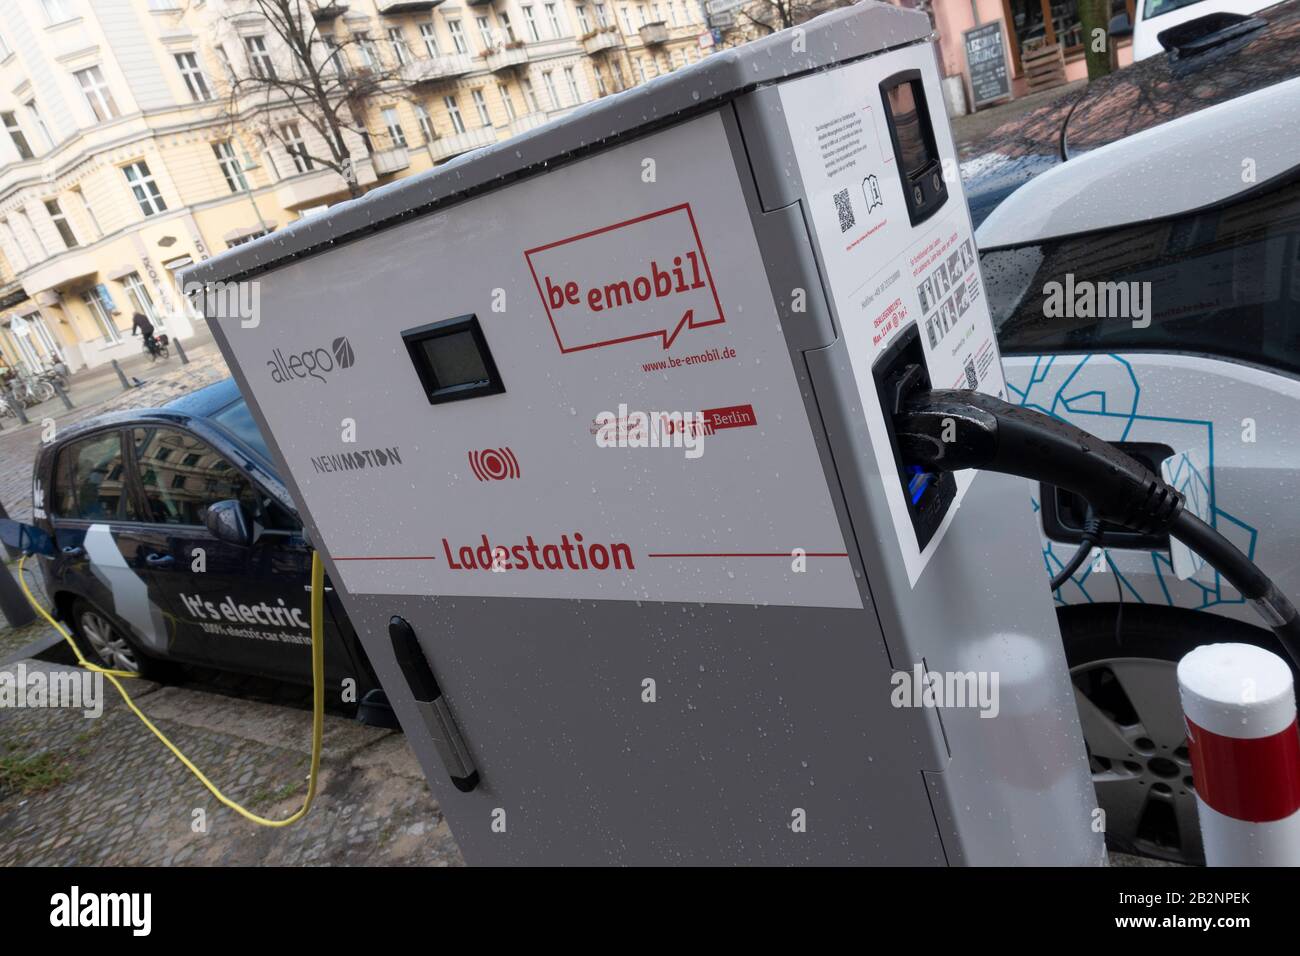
(986, 62)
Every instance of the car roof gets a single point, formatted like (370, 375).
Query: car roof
(199, 404)
(1139, 97)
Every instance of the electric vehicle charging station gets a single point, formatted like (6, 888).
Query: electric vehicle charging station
(635, 654)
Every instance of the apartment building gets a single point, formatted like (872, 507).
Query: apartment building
(140, 136)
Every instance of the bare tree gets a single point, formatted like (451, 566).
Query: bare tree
(768, 16)
(328, 78)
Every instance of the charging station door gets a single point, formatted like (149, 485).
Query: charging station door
(556, 428)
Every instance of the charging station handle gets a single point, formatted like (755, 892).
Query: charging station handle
(432, 705)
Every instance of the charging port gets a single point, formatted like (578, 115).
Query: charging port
(900, 373)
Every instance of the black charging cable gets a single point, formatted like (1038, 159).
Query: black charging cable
(951, 430)
(1091, 538)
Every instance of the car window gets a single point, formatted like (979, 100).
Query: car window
(90, 480)
(182, 476)
(1154, 8)
(238, 420)
(1223, 282)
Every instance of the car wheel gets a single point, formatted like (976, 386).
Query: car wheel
(1127, 693)
(104, 642)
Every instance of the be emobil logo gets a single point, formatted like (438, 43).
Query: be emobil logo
(311, 363)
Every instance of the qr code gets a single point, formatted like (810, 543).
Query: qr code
(972, 380)
(845, 210)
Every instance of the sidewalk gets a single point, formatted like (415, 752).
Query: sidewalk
(77, 790)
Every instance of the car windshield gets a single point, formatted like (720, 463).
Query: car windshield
(1154, 8)
(1223, 282)
(238, 420)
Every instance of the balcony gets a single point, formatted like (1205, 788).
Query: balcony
(526, 122)
(445, 147)
(654, 34)
(434, 69)
(389, 161)
(310, 189)
(505, 57)
(325, 11)
(598, 41)
(388, 7)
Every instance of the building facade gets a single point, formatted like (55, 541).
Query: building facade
(143, 135)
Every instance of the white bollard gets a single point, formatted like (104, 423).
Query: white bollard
(1239, 704)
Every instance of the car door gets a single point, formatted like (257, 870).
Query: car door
(244, 607)
(92, 509)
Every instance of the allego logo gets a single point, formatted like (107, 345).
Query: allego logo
(312, 363)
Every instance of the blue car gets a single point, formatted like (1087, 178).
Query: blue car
(176, 541)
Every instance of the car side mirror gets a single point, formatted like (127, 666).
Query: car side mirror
(1120, 26)
(227, 522)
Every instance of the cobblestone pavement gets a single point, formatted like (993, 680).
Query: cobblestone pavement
(103, 791)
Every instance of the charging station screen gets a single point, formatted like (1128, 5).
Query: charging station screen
(455, 359)
(914, 150)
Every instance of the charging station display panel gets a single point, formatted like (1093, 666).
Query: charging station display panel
(894, 235)
(574, 386)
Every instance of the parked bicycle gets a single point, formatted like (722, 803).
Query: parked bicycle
(156, 346)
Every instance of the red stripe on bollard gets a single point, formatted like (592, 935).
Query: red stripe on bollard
(1254, 778)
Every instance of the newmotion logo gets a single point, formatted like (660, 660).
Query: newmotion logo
(312, 363)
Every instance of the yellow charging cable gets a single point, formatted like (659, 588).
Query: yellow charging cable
(318, 695)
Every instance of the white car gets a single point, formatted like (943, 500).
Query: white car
(1175, 182)
(1156, 16)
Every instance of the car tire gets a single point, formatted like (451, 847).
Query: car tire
(1126, 688)
(103, 641)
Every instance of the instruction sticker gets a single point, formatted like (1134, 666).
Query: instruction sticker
(885, 274)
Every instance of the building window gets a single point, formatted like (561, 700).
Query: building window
(195, 81)
(56, 11)
(396, 135)
(102, 307)
(335, 61)
(366, 47)
(226, 65)
(640, 12)
(16, 134)
(583, 23)
(39, 120)
(90, 213)
(426, 123)
(259, 58)
(36, 236)
(507, 26)
(141, 300)
(61, 223)
(507, 102)
(601, 89)
(224, 150)
(627, 20)
(4, 49)
(572, 81)
(457, 36)
(430, 39)
(531, 23)
(294, 145)
(530, 96)
(485, 32)
(145, 189)
(480, 104)
(553, 18)
(453, 110)
(98, 96)
(549, 79)
(401, 52)
(602, 15)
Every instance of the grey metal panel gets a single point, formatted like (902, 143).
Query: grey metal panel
(835, 37)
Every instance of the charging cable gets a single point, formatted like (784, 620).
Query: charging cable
(1091, 538)
(950, 430)
(318, 696)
